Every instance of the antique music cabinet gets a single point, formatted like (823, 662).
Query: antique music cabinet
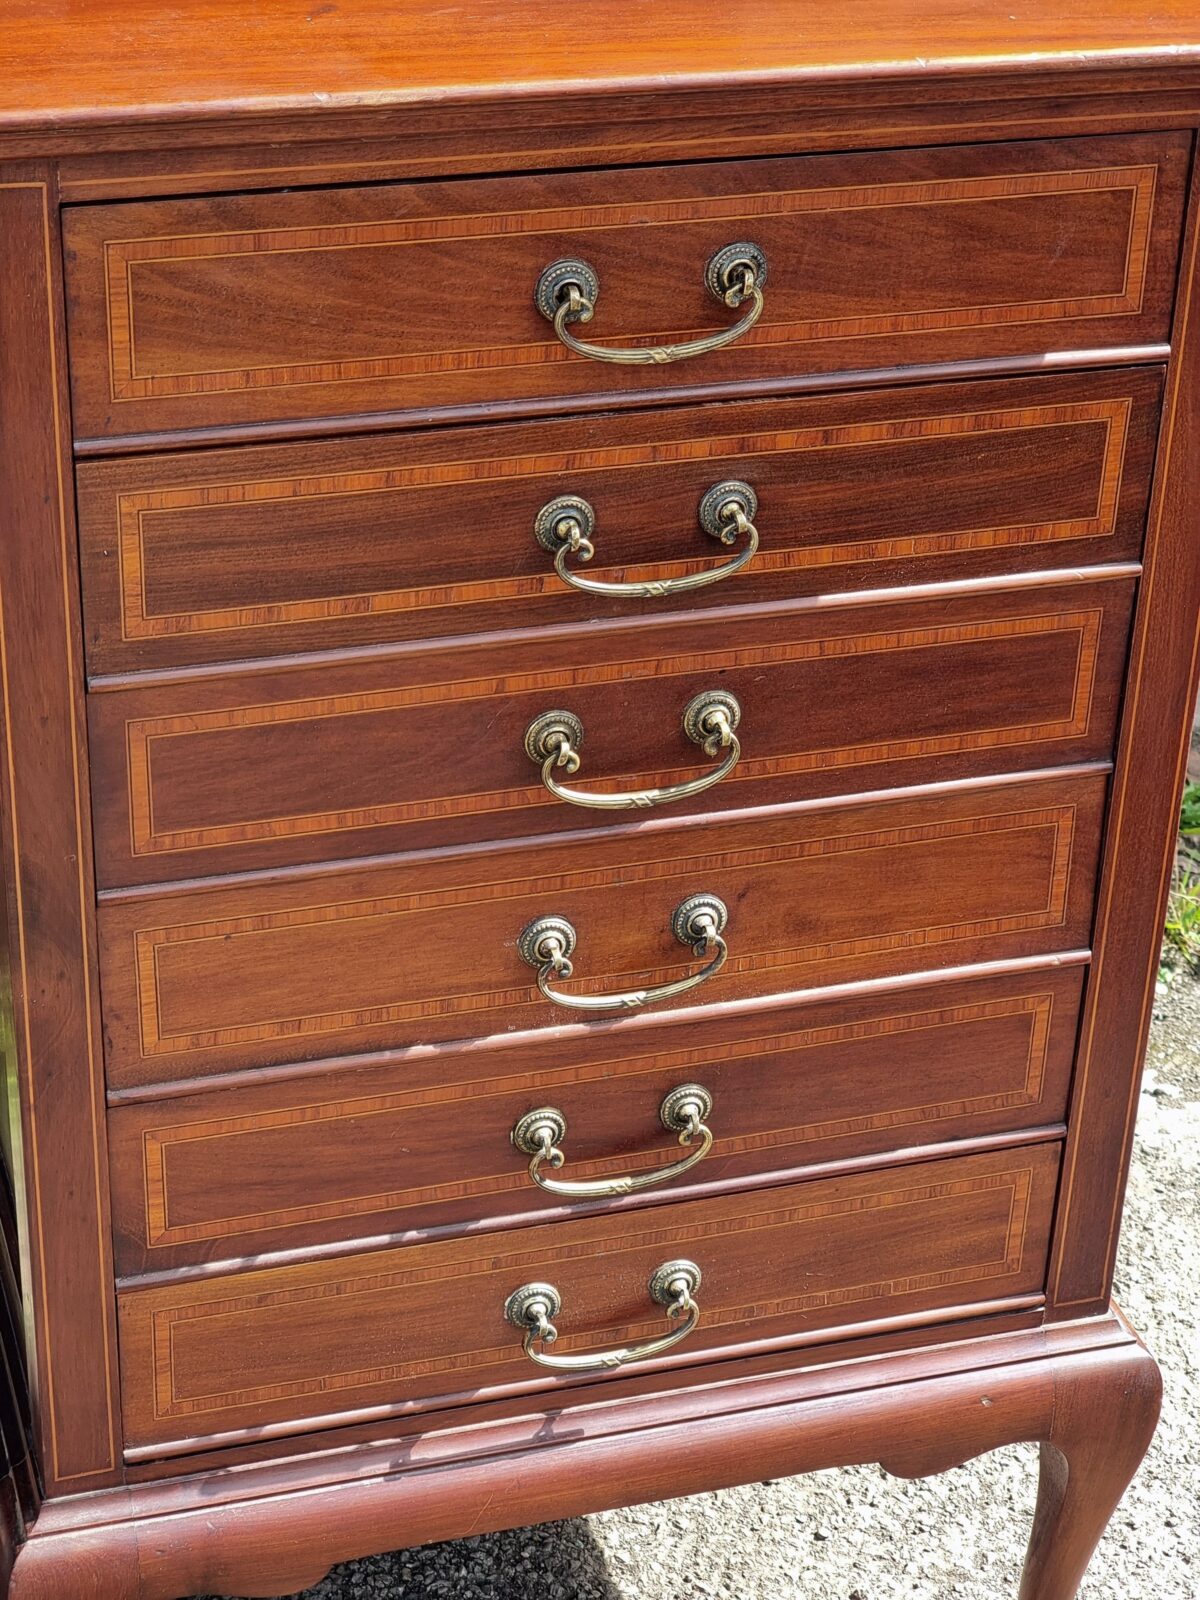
(598, 617)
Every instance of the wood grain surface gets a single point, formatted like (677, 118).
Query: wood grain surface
(405, 1146)
(219, 555)
(49, 1007)
(206, 979)
(922, 1404)
(619, 128)
(395, 1328)
(371, 754)
(317, 840)
(1140, 845)
(273, 307)
(218, 59)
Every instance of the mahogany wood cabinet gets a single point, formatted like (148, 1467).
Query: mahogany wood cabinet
(598, 618)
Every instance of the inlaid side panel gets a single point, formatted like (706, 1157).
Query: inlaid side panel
(401, 298)
(373, 755)
(228, 553)
(407, 1144)
(413, 951)
(393, 1329)
(1140, 841)
(50, 1022)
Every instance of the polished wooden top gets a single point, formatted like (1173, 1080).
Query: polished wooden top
(112, 60)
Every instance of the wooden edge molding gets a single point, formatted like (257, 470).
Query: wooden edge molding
(1139, 852)
(277, 1527)
(956, 101)
(436, 647)
(568, 1034)
(907, 1155)
(46, 841)
(375, 147)
(159, 945)
(338, 425)
(1035, 1010)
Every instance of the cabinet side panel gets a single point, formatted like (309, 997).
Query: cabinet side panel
(1140, 845)
(54, 1014)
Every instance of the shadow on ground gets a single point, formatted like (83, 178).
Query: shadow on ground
(556, 1561)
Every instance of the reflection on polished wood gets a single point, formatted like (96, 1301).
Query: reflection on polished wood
(427, 1321)
(199, 980)
(1050, 472)
(362, 1148)
(963, 686)
(276, 716)
(189, 312)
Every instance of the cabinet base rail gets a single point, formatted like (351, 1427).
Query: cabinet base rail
(1088, 1392)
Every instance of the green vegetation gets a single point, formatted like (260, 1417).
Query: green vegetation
(1183, 908)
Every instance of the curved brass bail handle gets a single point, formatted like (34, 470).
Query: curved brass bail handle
(540, 1133)
(552, 740)
(699, 922)
(567, 292)
(533, 1307)
(566, 524)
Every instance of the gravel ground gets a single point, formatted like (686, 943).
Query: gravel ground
(859, 1535)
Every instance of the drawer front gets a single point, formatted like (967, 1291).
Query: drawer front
(372, 756)
(235, 553)
(403, 953)
(406, 298)
(417, 1144)
(399, 1328)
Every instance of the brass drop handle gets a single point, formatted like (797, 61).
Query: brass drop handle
(567, 292)
(699, 921)
(565, 526)
(540, 1133)
(534, 1306)
(553, 738)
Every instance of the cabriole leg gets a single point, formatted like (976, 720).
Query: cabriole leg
(1104, 1418)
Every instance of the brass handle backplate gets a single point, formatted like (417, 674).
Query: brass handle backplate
(699, 922)
(533, 1308)
(553, 738)
(684, 1111)
(566, 525)
(567, 292)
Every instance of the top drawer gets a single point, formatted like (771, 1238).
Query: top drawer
(405, 298)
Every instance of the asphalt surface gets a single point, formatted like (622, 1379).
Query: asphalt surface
(859, 1535)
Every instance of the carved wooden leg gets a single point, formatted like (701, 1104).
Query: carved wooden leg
(1105, 1412)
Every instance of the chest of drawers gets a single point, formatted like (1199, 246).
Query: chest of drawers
(597, 631)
